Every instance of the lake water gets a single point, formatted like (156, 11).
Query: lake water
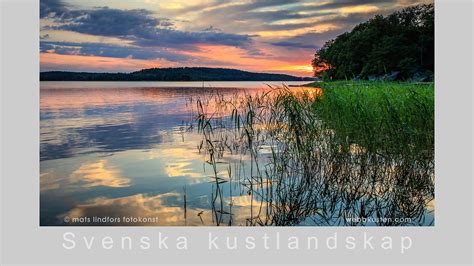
(122, 153)
(117, 150)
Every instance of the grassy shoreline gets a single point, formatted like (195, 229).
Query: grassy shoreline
(390, 117)
(356, 150)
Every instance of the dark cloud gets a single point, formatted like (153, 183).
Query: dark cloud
(57, 9)
(137, 25)
(174, 38)
(240, 8)
(261, 15)
(212, 28)
(271, 16)
(283, 27)
(254, 15)
(248, 13)
(350, 21)
(315, 40)
(53, 8)
(255, 4)
(310, 40)
(135, 52)
(348, 3)
(109, 50)
(294, 45)
(115, 22)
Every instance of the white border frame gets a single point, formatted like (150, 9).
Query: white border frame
(24, 241)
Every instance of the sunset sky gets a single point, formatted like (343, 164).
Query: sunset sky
(276, 36)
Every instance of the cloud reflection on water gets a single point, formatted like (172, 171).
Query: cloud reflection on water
(119, 151)
(99, 174)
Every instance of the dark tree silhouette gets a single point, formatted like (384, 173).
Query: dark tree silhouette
(170, 74)
(400, 45)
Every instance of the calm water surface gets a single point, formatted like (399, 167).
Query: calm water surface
(119, 153)
(117, 150)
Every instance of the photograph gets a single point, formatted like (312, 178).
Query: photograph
(243, 113)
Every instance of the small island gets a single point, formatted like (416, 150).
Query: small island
(171, 74)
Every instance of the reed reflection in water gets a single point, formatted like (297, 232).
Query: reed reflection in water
(136, 150)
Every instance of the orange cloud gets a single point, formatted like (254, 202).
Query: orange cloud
(51, 61)
(239, 58)
(205, 55)
(359, 9)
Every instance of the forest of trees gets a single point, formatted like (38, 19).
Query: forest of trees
(398, 46)
(170, 74)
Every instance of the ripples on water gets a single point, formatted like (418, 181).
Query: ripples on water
(117, 149)
(121, 150)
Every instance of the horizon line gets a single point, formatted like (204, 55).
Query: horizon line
(226, 68)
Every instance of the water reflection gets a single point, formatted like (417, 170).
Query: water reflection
(80, 121)
(162, 209)
(98, 174)
(118, 149)
(140, 209)
(112, 151)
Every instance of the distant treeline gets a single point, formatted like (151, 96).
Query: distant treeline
(170, 74)
(397, 46)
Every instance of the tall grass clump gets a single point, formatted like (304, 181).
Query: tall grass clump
(332, 156)
(386, 118)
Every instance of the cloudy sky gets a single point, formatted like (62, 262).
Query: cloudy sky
(278, 36)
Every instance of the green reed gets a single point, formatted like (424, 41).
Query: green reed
(390, 118)
(357, 150)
